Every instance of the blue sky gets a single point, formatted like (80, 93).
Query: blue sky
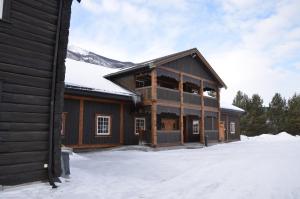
(253, 45)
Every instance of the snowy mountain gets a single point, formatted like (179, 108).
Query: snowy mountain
(79, 54)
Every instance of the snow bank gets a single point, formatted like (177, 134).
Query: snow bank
(283, 136)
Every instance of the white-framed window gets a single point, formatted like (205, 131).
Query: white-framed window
(232, 127)
(103, 125)
(1, 8)
(140, 124)
(195, 126)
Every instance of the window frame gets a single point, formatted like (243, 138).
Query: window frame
(198, 131)
(232, 129)
(135, 124)
(109, 125)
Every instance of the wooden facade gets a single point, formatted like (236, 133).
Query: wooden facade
(82, 108)
(230, 118)
(173, 92)
(33, 43)
(180, 103)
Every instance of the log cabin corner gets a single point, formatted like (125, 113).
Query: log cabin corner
(33, 46)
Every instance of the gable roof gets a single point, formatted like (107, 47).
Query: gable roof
(165, 59)
(89, 77)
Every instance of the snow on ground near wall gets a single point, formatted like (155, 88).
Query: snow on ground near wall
(240, 170)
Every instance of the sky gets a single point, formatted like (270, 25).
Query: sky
(253, 45)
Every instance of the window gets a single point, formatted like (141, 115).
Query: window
(195, 126)
(103, 124)
(232, 127)
(169, 124)
(63, 124)
(139, 125)
(1, 8)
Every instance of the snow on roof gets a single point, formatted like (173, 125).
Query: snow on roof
(90, 76)
(226, 105)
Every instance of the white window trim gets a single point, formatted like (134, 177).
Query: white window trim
(1, 8)
(195, 133)
(109, 124)
(139, 118)
(232, 127)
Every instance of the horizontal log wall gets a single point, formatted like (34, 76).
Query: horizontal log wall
(27, 51)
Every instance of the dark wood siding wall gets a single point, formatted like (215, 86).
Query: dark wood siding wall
(228, 117)
(190, 65)
(27, 52)
(90, 108)
(71, 108)
(89, 124)
(189, 129)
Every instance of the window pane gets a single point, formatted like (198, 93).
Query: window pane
(103, 125)
(1, 8)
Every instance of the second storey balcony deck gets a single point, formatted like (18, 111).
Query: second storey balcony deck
(175, 89)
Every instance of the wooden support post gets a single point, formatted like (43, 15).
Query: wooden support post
(154, 107)
(202, 134)
(181, 108)
(219, 111)
(81, 115)
(122, 124)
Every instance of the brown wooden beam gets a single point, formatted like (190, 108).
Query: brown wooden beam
(66, 96)
(181, 108)
(122, 124)
(202, 134)
(81, 115)
(92, 146)
(154, 107)
(219, 110)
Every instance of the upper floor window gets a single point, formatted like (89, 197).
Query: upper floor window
(232, 127)
(103, 125)
(1, 8)
(143, 80)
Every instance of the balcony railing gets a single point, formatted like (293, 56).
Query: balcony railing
(211, 102)
(191, 98)
(168, 94)
(145, 92)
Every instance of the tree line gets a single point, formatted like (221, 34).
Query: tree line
(281, 114)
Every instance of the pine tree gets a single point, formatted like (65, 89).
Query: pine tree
(293, 115)
(277, 114)
(241, 100)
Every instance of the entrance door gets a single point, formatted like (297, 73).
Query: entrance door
(222, 131)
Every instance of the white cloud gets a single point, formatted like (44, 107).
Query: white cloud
(253, 45)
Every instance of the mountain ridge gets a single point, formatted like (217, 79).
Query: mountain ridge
(80, 54)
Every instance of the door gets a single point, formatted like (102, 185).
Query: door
(222, 131)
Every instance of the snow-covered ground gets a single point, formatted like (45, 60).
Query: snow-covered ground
(262, 167)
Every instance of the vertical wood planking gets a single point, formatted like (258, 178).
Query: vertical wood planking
(219, 110)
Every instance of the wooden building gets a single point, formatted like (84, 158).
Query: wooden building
(179, 102)
(33, 42)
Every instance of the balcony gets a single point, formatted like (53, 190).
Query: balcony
(211, 102)
(145, 92)
(191, 98)
(168, 94)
